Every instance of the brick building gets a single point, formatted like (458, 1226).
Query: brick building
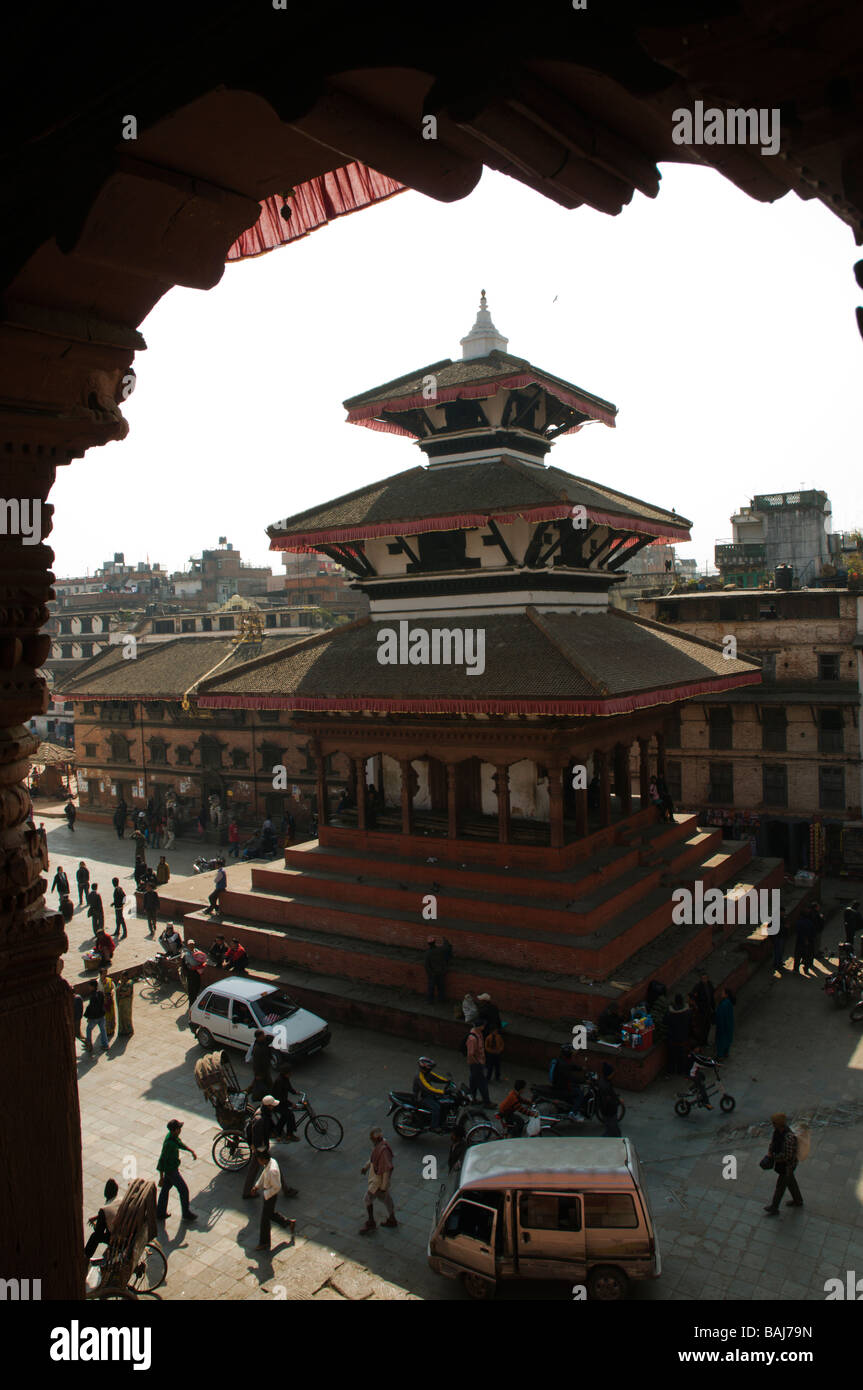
(781, 763)
(139, 735)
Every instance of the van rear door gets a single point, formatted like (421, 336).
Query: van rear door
(468, 1237)
(550, 1235)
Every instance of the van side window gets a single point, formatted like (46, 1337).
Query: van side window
(470, 1219)
(608, 1210)
(549, 1211)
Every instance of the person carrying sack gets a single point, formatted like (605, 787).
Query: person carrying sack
(783, 1151)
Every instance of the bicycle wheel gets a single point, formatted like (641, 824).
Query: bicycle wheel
(231, 1151)
(324, 1132)
(151, 1271)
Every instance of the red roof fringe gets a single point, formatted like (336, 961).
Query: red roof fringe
(364, 415)
(624, 704)
(311, 540)
(312, 205)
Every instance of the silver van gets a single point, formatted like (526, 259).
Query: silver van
(573, 1209)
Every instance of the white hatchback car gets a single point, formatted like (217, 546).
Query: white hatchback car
(230, 1012)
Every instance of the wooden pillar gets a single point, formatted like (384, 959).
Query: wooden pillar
(321, 769)
(581, 811)
(660, 755)
(501, 781)
(644, 771)
(451, 803)
(359, 770)
(41, 1233)
(407, 795)
(622, 784)
(600, 764)
(555, 805)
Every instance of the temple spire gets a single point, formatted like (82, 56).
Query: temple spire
(483, 338)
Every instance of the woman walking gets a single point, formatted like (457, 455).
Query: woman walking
(724, 1025)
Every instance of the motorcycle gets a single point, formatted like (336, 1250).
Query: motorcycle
(589, 1108)
(534, 1125)
(700, 1095)
(846, 979)
(411, 1117)
(204, 863)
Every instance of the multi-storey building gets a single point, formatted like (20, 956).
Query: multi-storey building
(780, 762)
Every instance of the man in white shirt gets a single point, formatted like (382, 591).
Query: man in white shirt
(269, 1185)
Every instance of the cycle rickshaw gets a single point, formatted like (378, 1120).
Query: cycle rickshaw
(134, 1263)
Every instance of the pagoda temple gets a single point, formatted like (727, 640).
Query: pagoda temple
(499, 717)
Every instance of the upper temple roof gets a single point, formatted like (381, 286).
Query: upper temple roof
(433, 499)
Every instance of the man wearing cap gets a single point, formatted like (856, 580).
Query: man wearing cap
(436, 961)
(169, 1172)
(268, 1183)
(260, 1131)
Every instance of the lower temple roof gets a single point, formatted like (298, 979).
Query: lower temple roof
(566, 664)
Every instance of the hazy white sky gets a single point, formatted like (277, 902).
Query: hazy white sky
(722, 328)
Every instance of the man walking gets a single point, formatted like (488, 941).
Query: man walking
(783, 1151)
(380, 1171)
(95, 910)
(151, 905)
(804, 945)
(70, 813)
(269, 1184)
(83, 878)
(259, 1056)
(259, 1132)
(170, 832)
(436, 961)
(169, 1172)
(120, 820)
(95, 1016)
(61, 883)
(852, 922)
(219, 887)
(118, 898)
(234, 840)
(476, 1064)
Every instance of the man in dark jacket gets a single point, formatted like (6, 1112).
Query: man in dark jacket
(95, 909)
(70, 813)
(95, 1016)
(151, 908)
(118, 898)
(283, 1090)
(489, 1014)
(704, 1000)
(259, 1055)
(678, 1023)
(61, 882)
(783, 1150)
(120, 820)
(436, 961)
(804, 944)
(852, 922)
(83, 877)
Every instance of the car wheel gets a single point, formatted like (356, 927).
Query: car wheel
(477, 1287)
(206, 1039)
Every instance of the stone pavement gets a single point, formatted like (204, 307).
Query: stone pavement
(792, 1051)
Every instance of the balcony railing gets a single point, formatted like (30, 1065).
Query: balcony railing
(740, 553)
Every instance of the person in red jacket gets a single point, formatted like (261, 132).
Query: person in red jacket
(236, 957)
(476, 1064)
(234, 839)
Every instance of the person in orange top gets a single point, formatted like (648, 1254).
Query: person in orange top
(514, 1108)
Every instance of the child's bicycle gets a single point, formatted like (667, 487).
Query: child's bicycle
(700, 1090)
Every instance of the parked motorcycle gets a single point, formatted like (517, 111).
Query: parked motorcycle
(847, 979)
(411, 1117)
(204, 863)
(536, 1124)
(590, 1101)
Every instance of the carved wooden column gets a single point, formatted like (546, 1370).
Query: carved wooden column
(660, 755)
(581, 811)
(501, 785)
(555, 805)
(644, 771)
(600, 766)
(622, 784)
(41, 1225)
(408, 778)
(321, 770)
(451, 802)
(359, 769)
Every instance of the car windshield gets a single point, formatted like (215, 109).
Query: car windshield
(275, 1008)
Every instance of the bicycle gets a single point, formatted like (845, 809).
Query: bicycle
(232, 1150)
(147, 1275)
